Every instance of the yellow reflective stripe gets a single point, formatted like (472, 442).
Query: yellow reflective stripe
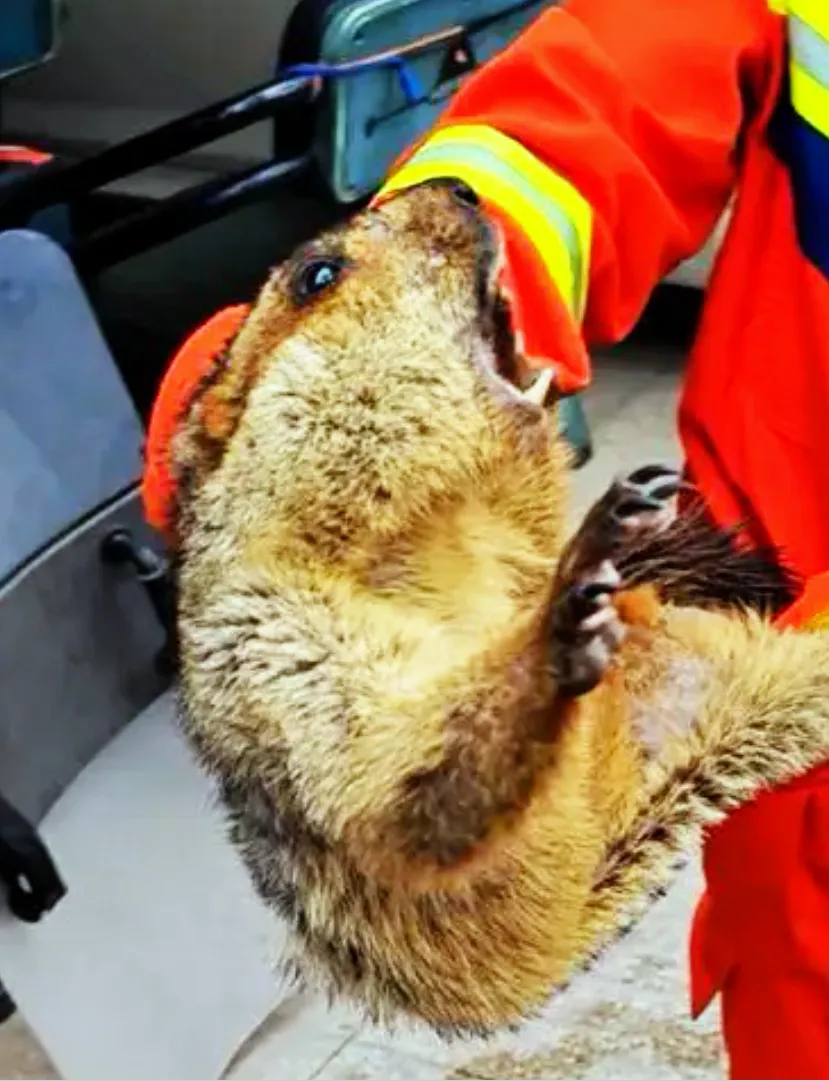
(549, 210)
(779, 6)
(810, 98)
(809, 60)
(814, 13)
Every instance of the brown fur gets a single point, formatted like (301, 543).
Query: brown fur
(370, 527)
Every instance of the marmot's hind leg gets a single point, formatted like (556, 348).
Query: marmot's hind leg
(585, 628)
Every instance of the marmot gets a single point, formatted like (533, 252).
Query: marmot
(457, 753)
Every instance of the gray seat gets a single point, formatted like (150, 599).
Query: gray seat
(157, 963)
(70, 456)
(69, 436)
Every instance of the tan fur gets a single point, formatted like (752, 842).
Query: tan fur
(367, 555)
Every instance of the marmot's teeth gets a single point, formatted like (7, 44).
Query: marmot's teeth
(539, 391)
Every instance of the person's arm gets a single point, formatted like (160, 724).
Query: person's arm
(621, 121)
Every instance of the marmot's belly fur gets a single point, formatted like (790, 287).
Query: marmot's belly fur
(457, 754)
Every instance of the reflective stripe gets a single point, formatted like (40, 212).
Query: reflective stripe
(808, 32)
(549, 210)
(814, 13)
(798, 132)
(810, 49)
(810, 99)
(809, 64)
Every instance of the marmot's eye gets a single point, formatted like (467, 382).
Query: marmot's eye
(314, 276)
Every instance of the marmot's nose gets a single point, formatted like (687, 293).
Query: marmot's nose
(462, 193)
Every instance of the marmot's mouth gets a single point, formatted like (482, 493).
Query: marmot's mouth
(509, 365)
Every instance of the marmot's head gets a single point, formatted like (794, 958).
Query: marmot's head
(376, 378)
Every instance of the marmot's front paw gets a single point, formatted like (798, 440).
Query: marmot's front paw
(585, 630)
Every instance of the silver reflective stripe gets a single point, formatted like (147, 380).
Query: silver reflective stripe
(809, 49)
(490, 163)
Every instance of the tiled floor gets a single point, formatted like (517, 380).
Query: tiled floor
(627, 1018)
(20, 1054)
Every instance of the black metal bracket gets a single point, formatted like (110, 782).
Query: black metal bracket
(57, 182)
(179, 213)
(153, 572)
(31, 879)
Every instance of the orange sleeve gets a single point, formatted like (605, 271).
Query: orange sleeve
(640, 106)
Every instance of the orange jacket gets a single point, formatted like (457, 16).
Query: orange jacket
(608, 139)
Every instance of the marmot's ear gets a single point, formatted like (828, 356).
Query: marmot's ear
(194, 414)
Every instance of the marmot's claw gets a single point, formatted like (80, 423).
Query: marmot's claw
(585, 629)
(645, 498)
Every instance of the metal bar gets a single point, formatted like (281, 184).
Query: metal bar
(446, 36)
(411, 48)
(58, 182)
(180, 213)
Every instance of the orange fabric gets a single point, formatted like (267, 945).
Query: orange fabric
(776, 1024)
(811, 606)
(188, 368)
(756, 396)
(760, 934)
